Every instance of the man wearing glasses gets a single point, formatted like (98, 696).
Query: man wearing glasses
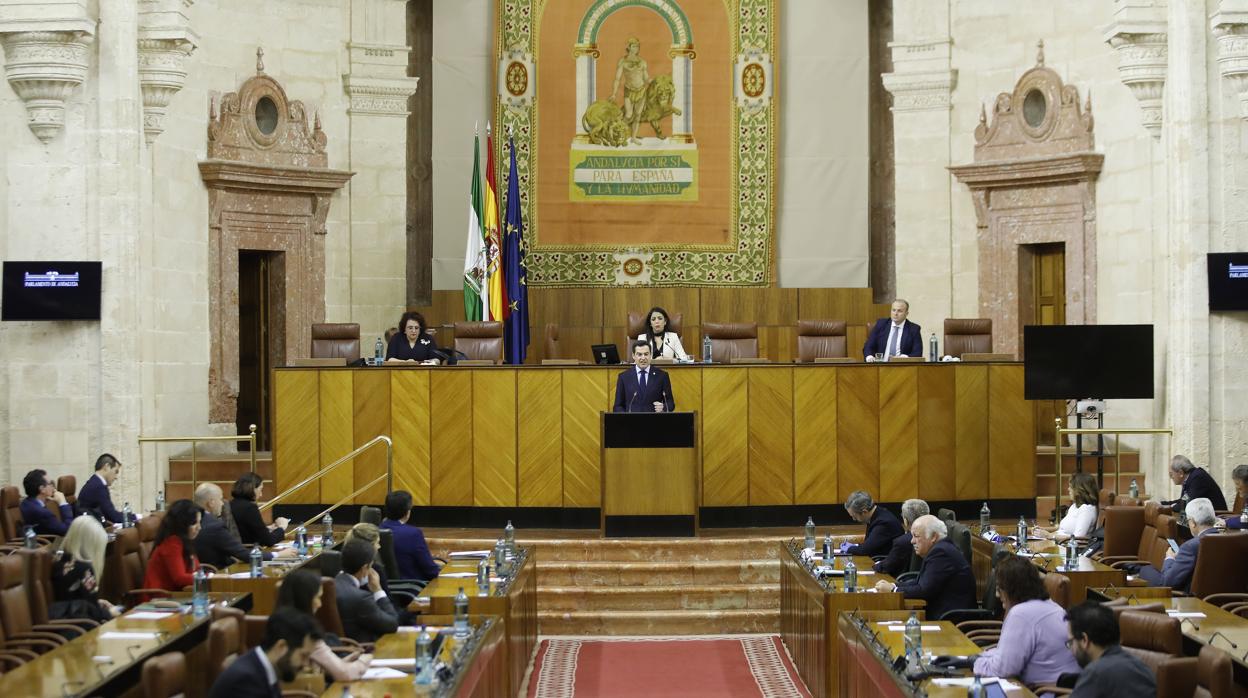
(1108, 670)
(35, 511)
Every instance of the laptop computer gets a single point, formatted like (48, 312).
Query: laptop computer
(606, 354)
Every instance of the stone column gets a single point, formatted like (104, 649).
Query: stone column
(682, 80)
(586, 87)
(921, 84)
(1138, 34)
(46, 56)
(166, 41)
(378, 88)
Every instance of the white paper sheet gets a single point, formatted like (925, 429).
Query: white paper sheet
(470, 554)
(970, 680)
(1185, 614)
(147, 615)
(924, 628)
(394, 662)
(117, 635)
(382, 673)
(457, 575)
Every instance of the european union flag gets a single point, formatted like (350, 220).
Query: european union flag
(516, 334)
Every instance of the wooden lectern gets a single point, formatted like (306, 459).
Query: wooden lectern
(649, 474)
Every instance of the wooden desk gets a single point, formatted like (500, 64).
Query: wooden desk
(770, 435)
(808, 611)
(513, 601)
(263, 590)
(71, 669)
(479, 673)
(1048, 556)
(864, 672)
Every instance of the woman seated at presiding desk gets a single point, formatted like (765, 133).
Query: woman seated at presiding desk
(413, 344)
(1080, 518)
(663, 343)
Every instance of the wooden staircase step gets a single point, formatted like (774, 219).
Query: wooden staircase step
(660, 598)
(220, 468)
(1130, 461)
(669, 622)
(1045, 482)
(594, 574)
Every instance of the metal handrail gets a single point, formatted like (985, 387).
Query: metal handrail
(320, 473)
(250, 438)
(1062, 431)
(342, 501)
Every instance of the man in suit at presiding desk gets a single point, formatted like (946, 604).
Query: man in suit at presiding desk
(642, 387)
(894, 335)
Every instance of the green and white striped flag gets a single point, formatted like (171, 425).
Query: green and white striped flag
(474, 257)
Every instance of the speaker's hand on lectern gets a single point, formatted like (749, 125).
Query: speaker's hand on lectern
(658, 407)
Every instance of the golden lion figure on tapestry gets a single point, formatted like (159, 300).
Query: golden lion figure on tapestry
(645, 100)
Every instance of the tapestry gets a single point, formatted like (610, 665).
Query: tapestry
(646, 135)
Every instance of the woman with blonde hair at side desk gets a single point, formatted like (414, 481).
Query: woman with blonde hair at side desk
(1080, 518)
(76, 571)
(302, 591)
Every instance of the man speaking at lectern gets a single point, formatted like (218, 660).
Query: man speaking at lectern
(642, 387)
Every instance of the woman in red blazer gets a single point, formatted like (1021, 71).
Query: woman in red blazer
(172, 563)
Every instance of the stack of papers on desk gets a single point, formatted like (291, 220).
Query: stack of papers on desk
(116, 635)
(148, 615)
(470, 555)
(970, 681)
(456, 575)
(382, 673)
(394, 662)
(1184, 614)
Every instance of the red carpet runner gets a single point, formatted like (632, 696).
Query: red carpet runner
(617, 667)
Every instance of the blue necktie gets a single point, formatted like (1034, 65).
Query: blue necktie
(643, 381)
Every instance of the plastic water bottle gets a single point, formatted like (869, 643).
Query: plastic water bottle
(127, 516)
(1022, 534)
(851, 575)
(827, 549)
(257, 562)
(500, 557)
(30, 539)
(160, 500)
(1134, 491)
(985, 519)
(328, 536)
(1243, 516)
(810, 533)
(509, 538)
(706, 349)
(461, 614)
(483, 577)
(301, 540)
(424, 662)
(199, 593)
(914, 643)
(1072, 553)
(379, 352)
(933, 353)
(976, 690)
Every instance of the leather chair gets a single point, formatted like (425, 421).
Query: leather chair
(327, 614)
(732, 340)
(638, 322)
(1157, 640)
(1220, 564)
(225, 643)
(11, 507)
(946, 515)
(1058, 586)
(330, 563)
(148, 527)
(821, 339)
(124, 570)
(480, 340)
(15, 608)
(370, 515)
(960, 536)
(253, 631)
(1144, 543)
(68, 486)
(164, 676)
(336, 340)
(968, 336)
(1123, 526)
(38, 583)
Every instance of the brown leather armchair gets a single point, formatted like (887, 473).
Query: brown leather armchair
(480, 340)
(821, 339)
(68, 486)
(1058, 586)
(164, 675)
(638, 323)
(11, 508)
(1208, 675)
(968, 336)
(225, 643)
(1220, 564)
(732, 340)
(336, 340)
(1120, 523)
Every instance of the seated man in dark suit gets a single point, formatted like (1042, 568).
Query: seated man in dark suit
(410, 550)
(1108, 670)
(366, 612)
(94, 497)
(642, 387)
(39, 489)
(215, 545)
(901, 557)
(945, 579)
(1196, 482)
(894, 335)
(290, 637)
(1176, 571)
(882, 525)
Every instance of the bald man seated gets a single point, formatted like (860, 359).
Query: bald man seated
(215, 545)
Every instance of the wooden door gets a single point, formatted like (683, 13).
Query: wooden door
(1043, 295)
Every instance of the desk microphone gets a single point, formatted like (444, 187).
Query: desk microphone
(1189, 620)
(1218, 633)
(630, 401)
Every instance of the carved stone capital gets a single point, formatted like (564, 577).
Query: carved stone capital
(921, 91)
(166, 41)
(44, 68)
(1230, 30)
(379, 96)
(1142, 59)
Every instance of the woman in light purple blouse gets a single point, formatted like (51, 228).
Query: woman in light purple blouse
(1033, 638)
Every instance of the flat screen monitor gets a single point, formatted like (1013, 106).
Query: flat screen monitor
(50, 291)
(1069, 362)
(1228, 281)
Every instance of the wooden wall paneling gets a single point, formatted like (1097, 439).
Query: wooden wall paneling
(296, 448)
(539, 433)
(574, 307)
(371, 401)
(585, 397)
(853, 305)
(814, 436)
(450, 438)
(574, 343)
(409, 429)
(725, 449)
(1011, 453)
(494, 438)
(899, 437)
(855, 338)
(337, 417)
(618, 301)
(858, 429)
(686, 387)
(777, 342)
(766, 306)
(937, 436)
(971, 436)
(770, 435)
(447, 307)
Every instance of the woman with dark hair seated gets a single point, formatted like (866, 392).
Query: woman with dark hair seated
(413, 343)
(172, 563)
(252, 530)
(663, 341)
(1033, 636)
(302, 591)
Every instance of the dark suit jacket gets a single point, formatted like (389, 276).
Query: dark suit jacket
(42, 518)
(630, 398)
(1200, 483)
(251, 528)
(245, 678)
(1117, 674)
(1176, 572)
(216, 546)
(911, 343)
(900, 557)
(364, 619)
(882, 529)
(945, 581)
(94, 498)
(411, 552)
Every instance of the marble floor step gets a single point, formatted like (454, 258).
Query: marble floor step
(649, 550)
(670, 622)
(615, 573)
(659, 598)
